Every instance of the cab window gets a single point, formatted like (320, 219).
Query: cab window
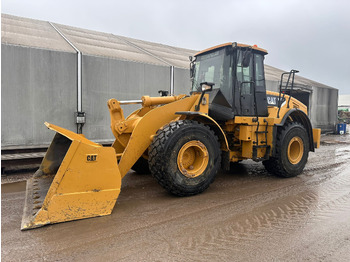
(244, 74)
(259, 70)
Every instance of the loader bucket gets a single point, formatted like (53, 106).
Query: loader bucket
(77, 179)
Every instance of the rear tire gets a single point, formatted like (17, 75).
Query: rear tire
(292, 151)
(184, 157)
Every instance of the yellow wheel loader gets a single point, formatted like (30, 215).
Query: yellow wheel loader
(184, 140)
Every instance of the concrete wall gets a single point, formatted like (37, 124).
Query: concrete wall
(41, 85)
(105, 78)
(324, 109)
(36, 86)
(182, 83)
(272, 85)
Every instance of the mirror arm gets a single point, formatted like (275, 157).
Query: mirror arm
(197, 107)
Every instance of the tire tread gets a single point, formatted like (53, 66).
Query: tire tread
(157, 161)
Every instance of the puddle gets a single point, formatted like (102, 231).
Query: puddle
(13, 187)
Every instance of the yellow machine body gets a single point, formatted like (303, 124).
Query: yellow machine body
(135, 134)
(131, 143)
(80, 179)
(252, 131)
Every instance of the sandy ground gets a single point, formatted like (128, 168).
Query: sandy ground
(246, 215)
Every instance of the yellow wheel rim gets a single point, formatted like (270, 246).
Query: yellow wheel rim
(295, 150)
(193, 159)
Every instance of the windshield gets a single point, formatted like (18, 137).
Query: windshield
(214, 67)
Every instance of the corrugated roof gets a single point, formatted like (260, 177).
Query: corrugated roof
(274, 74)
(40, 34)
(33, 33)
(175, 56)
(104, 44)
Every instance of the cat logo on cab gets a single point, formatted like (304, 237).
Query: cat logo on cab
(91, 158)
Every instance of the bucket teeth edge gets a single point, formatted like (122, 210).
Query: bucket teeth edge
(28, 218)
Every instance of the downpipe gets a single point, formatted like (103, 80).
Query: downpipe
(80, 116)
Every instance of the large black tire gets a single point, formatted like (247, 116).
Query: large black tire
(141, 166)
(292, 151)
(184, 157)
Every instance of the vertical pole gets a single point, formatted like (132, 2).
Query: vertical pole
(172, 80)
(79, 107)
(79, 115)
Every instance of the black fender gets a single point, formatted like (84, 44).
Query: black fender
(298, 116)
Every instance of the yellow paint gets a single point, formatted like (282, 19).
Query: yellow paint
(245, 133)
(317, 137)
(193, 159)
(210, 121)
(147, 127)
(247, 127)
(295, 150)
(80, 188)
(247, 149)
(71, 135)
(203, 106)
(235, 156)
(152, 101)
(294, 103)
(230, 44)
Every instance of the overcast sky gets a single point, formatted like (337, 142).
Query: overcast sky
(309, 35)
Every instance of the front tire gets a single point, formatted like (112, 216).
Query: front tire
(184, 157)
(292, 151)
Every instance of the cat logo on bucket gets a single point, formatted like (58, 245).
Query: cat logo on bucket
(91, 158)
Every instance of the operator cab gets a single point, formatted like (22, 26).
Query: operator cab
(237, 72)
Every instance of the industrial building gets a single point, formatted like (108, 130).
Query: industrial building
(344, 110)
(344, 103)
(55, 73)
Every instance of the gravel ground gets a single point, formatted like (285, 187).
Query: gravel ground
(245, 215)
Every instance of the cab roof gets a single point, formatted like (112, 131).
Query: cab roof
(255, 47)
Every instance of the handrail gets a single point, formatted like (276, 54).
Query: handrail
(292, 72)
